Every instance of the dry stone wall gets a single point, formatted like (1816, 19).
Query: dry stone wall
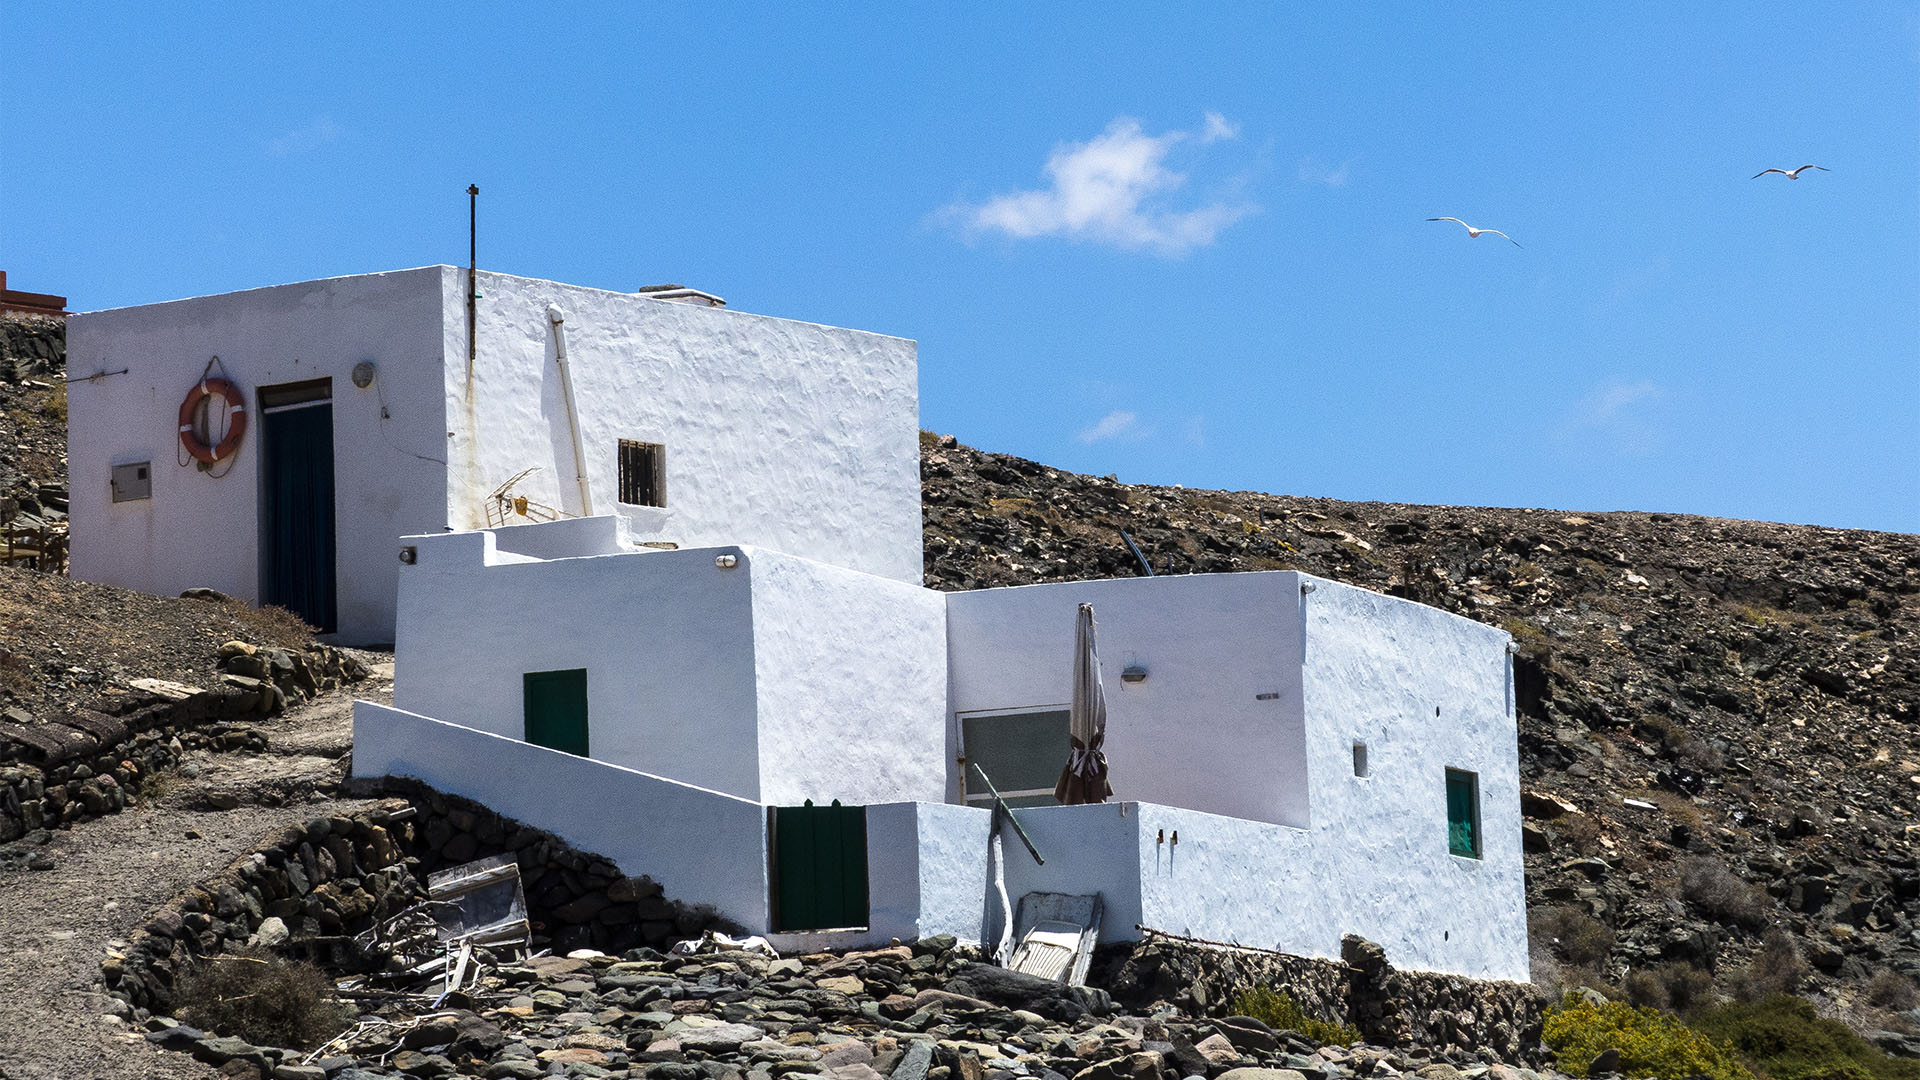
(1390, 1007)
(86, 763)
(335, 877)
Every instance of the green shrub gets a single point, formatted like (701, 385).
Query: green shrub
(1651, 1044)
(1784, 1038)
(265, 999)
(1282, 1013)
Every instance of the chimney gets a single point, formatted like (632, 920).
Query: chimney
(680, 294)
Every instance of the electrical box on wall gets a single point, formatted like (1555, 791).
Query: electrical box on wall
(134, 481)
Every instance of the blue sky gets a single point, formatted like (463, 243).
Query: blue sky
(1183, 244)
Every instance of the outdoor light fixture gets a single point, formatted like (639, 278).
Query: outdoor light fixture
(726, 562)
(1134, 674)
(409, 554)
(363, 374)
(1306, 588)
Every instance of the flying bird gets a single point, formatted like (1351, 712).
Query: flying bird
(1474, 233)
(1791, 175)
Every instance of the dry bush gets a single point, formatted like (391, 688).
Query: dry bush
(1777, 968)
(1678, 808)
(1577, 831)
(1892, 991)
(1677, 988)
(273, 626)
(266, 999)
(1709, 885)
(1574, 936)
(16, 674)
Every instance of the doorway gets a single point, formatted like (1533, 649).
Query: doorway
(296, 501)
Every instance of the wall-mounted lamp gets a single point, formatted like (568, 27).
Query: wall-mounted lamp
(362, 375)
(1160, 836)
(1306, 588)
(409, 555)
(1134, 673)
(726, 562)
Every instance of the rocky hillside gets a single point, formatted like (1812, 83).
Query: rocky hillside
(33, 421)
(1718, 731)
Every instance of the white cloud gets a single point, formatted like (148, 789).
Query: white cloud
(1194, 431)
(1112, 189)
(1218, 127)
(307, 139)
(1111, 426)
(1315, 171)
(1615, 416)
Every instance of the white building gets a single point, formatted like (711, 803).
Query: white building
(1294, 759)
(727, 623)
(368, 418)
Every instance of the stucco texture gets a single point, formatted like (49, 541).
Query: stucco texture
(851, 676)
(703, 847)
(666, 639)
(201, 529)
(1427, 691)
(1197, 732)
(785, 435)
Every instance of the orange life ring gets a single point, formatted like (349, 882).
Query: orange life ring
(190, 414)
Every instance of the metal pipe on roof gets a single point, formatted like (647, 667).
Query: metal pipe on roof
(558, 319)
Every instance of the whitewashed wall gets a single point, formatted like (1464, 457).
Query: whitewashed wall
(703, 847)
(779, 679)
(1195, 733)
(1377, 668)
(202, 530)
(786, 435)
(665, 636)
(851, 671)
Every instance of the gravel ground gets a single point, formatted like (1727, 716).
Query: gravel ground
(108, 874)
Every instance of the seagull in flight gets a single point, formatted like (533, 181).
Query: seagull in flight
(1791, 175)
(1474, 233)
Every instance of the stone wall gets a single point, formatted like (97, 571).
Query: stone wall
(335, 877)
(31, 345)
(1391, 1008)
(86, 763)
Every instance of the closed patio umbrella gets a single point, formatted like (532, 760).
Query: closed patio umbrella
(1084, 780)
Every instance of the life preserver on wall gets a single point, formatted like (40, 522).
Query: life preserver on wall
(190, 420)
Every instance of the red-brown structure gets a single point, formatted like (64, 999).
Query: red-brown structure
(30, 303)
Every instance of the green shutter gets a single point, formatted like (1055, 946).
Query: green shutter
(819, 870)
(1463, 813)
(556, 709)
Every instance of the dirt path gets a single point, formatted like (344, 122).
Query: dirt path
(56, 925)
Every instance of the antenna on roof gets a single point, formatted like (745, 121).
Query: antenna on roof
(473, 275)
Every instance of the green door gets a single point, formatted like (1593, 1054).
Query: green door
(556, 707)
(296, 487)
(819, 856)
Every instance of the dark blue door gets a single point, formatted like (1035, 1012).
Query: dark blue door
(296, 485)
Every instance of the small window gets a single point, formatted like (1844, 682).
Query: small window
(1463, 813)
(1021, 753)
(1359, 758)
(643, 473)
